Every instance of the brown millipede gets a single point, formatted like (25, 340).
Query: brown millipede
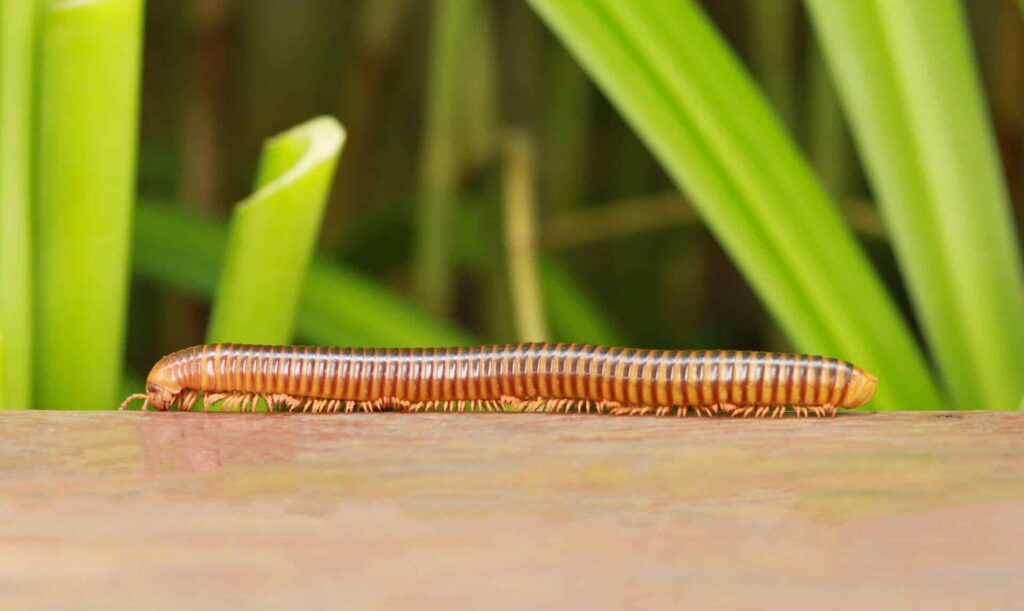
(524, 377)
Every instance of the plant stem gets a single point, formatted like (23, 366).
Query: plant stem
(478, 104)
(17, 28)
(519, 204)
(658, 212)
(439, 172)
(88, 86)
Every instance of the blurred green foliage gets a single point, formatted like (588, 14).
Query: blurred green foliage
(413, 249)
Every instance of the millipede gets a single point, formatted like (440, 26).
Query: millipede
(533, 377)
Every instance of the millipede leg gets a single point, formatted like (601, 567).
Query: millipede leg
(742, 412)
(209, 399)
(822, 410)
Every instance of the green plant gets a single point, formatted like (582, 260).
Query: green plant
(439, 164)
(272, 235)
(88, 85)
(672, 77)
(910, 88)
(17, 36)
(336, 305)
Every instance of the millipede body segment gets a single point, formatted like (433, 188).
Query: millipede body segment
(512, 377)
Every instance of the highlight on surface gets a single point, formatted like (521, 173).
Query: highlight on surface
(535, 377)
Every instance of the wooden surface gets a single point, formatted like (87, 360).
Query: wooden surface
(506, 511)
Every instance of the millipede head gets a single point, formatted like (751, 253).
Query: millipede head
(162, 386)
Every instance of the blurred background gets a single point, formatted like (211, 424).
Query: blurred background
(220, 77)
(475, 144)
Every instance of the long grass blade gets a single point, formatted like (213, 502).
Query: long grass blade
(910, 87)
(17, 28)
(336, 306)
(674, 79)
(272, 236)
(521, 250)
(88, 87)
(434, 276)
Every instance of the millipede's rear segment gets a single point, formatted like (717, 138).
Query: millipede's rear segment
(512, 377)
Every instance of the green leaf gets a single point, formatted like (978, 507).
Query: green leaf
(336, 306)
(88, 86)
(272, 235)
(17, 29)
(911, 90)
(673, 78)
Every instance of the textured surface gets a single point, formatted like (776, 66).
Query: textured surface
(506, 510)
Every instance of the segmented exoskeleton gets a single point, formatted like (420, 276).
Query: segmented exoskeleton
(513, 377)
